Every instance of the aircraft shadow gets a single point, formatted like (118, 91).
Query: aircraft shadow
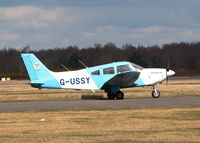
(93, 97)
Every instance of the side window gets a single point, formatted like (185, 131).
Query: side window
(123, 68)
(108, 70)
(97, 72)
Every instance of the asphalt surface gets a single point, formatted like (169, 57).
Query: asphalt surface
(98, 104)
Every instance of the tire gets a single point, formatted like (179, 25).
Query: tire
(111, 95)
(119, 95)
(155, 93)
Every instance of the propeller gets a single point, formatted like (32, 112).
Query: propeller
(167, 69)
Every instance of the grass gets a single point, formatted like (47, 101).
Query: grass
(142, 125)
(26, 92)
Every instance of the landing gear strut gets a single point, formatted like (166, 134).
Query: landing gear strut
(119, 95)
(155, 93)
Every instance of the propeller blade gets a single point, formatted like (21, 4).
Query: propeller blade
(167, 69)
(167, 80)
(167, 76)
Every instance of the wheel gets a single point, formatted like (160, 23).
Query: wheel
(111, 95)
(119, 95)
(155, 93)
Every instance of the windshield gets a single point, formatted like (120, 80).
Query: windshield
(137, 66)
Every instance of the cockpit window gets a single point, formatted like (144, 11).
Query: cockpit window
(97, 72)
(123, 68)
(108, 70)
(137, 66)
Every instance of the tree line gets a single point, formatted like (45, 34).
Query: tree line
(181, 57)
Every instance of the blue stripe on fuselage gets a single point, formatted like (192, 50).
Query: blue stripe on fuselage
(51, 83)
(139, 82)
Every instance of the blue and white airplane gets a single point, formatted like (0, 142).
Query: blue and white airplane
(108, 77)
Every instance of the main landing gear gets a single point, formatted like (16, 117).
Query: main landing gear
(155, 93)
(118, 95)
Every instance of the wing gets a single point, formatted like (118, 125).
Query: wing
(123, 80)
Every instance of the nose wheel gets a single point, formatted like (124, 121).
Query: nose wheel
(155, 93)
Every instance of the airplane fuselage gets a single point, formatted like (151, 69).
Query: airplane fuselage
(84, 79)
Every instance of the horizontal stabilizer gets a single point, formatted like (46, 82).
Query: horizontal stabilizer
(36, 84)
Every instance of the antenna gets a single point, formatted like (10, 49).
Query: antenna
(82, 63)
(64, 67)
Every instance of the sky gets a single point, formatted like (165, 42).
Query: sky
(45, 24)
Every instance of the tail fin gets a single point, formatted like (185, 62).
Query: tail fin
(36, 69)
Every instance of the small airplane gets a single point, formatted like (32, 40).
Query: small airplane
(108, 77)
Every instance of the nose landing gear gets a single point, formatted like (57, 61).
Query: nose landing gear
(155, 93)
